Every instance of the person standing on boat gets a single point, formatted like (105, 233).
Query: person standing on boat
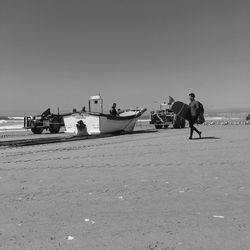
(113, 110)
(194, 112)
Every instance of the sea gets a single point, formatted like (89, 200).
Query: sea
(11, 124)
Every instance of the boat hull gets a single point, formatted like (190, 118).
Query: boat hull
(101, 123)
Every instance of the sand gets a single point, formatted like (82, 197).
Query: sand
(141, 191)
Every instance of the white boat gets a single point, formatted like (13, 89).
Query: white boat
(96, 123)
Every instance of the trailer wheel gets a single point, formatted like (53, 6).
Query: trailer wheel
(55, 125)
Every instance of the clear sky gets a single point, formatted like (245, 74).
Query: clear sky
(56, 53)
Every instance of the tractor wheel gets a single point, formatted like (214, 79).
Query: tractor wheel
(177, 122)
(37, 131)
(157, 126)
(183, 123)
(55, 125)
(34, 129)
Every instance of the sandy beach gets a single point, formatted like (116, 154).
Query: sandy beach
(148, 190)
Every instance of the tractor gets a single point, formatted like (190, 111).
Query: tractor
(164, 117)
(46, 121)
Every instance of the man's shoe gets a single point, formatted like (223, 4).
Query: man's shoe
(199, 134)
(190, 137)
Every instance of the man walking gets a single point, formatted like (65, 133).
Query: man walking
(194, 112)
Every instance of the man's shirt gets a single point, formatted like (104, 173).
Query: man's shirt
(194, 107)
(113, 111)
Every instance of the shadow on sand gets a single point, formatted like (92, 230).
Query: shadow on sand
(207, 138)
(145, 131)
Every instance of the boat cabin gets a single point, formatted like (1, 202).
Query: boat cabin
(96, 104)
